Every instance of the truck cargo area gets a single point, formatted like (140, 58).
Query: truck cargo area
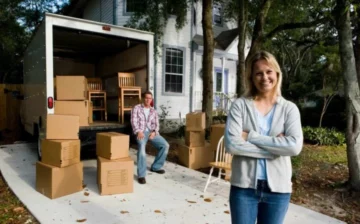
(94, 55)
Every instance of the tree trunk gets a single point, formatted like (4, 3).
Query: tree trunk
(207, 63)
(242, 22)
(351, 90)
(258, 33)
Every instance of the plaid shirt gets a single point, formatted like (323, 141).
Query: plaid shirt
(138, 120)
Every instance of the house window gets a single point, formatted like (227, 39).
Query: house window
(217, 14)
(174, 70)
(219, 81)
(133, 5)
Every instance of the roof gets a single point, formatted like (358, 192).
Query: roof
(222, 41)
(225, 38)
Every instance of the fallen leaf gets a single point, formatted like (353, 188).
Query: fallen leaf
(208, 200)
(157, 211)
(191, 201)
(124, 212)
(84, 201)
(84, 185)
(227, 212)
(86, 193)
(81, 220)
(18, 209)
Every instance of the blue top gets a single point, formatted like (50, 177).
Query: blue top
(264, 124)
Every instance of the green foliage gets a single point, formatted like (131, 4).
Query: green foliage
(168, 124)
(154, 14)
(323, 136)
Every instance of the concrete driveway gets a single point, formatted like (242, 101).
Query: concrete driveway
(169, 193)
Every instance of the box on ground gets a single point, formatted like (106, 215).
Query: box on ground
(79, 108)
(216, 132)
(60, 153)
(71, 88)
(115, 176)
(54, 182)
(195, 121)
(62, 126)
(112, 145)
(195, 157)
(195, 138)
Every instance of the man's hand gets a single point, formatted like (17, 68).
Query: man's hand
(280, 135)
(140, 135)
(152, 135)
(245, 135)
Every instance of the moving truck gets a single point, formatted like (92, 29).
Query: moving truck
(67, 46)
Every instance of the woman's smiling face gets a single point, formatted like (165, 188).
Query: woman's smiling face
(264, 77)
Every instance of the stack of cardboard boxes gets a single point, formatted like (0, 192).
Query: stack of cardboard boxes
(60, 171)
(72, 98)
(114, 166)
(196, 153)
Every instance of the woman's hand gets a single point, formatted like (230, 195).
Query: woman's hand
(245, 135)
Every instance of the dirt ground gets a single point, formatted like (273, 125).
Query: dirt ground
(12, 211)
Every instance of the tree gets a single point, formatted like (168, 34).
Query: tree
(207, 62)
(153, 17)
(351, 90)
(242, 28)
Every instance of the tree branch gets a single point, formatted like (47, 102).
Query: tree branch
(289, 26)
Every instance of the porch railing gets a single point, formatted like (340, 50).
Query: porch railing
(221, 101)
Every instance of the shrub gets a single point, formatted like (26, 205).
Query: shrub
(323, 136)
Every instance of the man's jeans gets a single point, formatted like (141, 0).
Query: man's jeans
(160, 144)
(247, 205)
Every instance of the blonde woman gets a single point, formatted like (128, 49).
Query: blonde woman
(263, 131)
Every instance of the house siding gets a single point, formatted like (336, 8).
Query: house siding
(92, 10)
(107, 11)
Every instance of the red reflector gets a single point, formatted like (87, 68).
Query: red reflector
(50, 102)
(107, 28)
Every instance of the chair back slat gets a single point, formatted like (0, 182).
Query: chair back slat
(126, 79)
(221, 154)
(94, 84)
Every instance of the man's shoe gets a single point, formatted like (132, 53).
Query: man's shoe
(158, 171)
(142, 180)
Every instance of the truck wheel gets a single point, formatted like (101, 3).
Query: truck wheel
(39, 148)
(40, 137)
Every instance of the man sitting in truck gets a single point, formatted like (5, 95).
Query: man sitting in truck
(145, 125)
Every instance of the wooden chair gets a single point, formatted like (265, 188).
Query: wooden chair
(96, 92)
(222, 162)
(129, 94)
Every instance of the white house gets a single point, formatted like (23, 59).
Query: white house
(178, 81)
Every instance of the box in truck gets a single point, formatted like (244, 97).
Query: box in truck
(66, 46)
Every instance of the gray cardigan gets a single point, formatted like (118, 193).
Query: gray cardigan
(276, 150)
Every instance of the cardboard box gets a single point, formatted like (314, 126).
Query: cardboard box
(62, 127)
(195, 121)
(90, 112)
(112, 145)
(60, 153)
(79, 108)
(115, 176)
(195, 157)
(216, 132)
(55, 182)
(195, 138)
(71, 88)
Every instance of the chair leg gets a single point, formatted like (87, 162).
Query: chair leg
(208, 180)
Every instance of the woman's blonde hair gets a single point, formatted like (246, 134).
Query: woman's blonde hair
(250, 89)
